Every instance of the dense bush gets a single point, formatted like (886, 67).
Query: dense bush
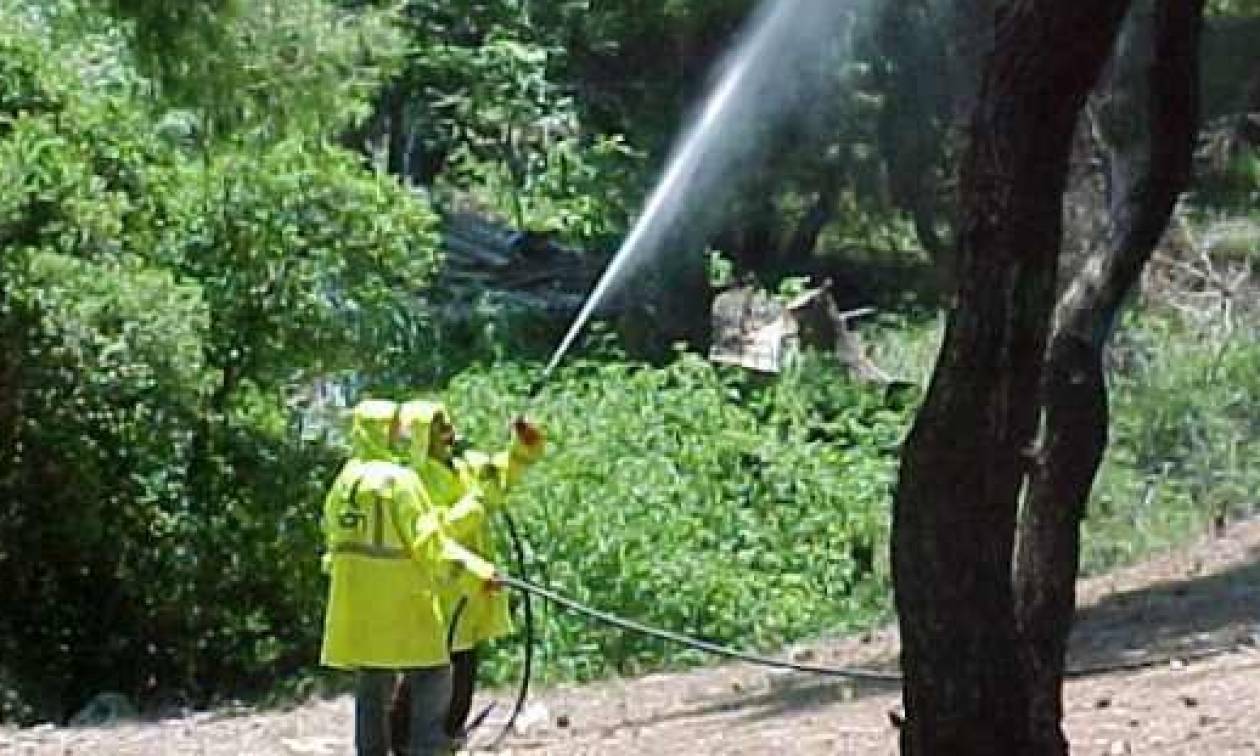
(109, 372)
(695, 499)
(1185, 431)
(162, 299)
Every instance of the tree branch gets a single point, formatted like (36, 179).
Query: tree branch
(1150, 117)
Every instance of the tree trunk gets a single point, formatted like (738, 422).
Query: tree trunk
(804, 238)
(965, 689)
(970, 25)
(395, 104)
(1248, 128)
(1149, 115)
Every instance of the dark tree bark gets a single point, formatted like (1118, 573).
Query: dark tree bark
(804, 238)
(1149, 114)
(966, 690)
(395, 110)
(1248, 128)
(970, 29)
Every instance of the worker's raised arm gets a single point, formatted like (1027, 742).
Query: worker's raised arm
(527, 447)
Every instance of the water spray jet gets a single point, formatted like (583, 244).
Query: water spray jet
(780, 62)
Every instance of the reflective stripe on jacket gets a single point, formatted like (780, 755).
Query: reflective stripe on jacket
(388, 560)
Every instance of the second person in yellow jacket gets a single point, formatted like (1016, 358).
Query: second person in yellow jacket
(468, 488)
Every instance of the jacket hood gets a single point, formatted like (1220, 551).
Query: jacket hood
(370, 429)
(416, 418)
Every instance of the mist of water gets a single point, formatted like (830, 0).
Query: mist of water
(788, 51)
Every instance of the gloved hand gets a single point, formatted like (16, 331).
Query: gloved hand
(494, 584)
(526, 432)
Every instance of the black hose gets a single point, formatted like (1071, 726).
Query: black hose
(527, 669)
(1134, 665)
(455, 617)
(477, 720)
(528, 588)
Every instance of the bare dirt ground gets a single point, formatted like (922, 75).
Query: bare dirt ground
(1197, 608)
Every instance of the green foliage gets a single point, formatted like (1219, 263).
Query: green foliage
(480, 91)
(163, 299)
(698, 500)
(264, 68)
(1233, 7)
(561, 186)
(1234, 186)
(1184, 430)
(860, 146)
(301, 254)
(719, 269)
(28, 80)
(110, 374)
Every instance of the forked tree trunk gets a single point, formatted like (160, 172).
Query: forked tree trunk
(966, 690)
(1150, 113)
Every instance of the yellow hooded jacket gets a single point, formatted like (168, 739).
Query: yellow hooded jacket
(388, 558)
(467, 491)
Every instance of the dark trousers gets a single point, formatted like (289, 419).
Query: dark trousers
(427, 710)
(463, 684)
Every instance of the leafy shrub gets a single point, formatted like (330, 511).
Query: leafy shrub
(304, 256)
(109, 374)
(1184, 430)
(161, 300)
(695, 499)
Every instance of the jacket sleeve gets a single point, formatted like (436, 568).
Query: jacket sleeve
(465, 517)
(419, 528)
(476, 571)
(430, 544)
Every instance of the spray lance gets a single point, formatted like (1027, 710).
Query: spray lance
(518, 559)
(515, 538)
(644, 236)
(696, 169)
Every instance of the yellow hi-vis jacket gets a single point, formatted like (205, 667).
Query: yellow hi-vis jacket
(389, 559)
(468, 491)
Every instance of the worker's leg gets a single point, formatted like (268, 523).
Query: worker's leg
(400, 717)
(372, 690)
(430, 704)
(463, 684)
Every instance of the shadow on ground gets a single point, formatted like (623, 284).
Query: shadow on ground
(1194, 614)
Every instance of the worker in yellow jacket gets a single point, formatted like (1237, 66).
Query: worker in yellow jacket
(392, 564)
(468, 488)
